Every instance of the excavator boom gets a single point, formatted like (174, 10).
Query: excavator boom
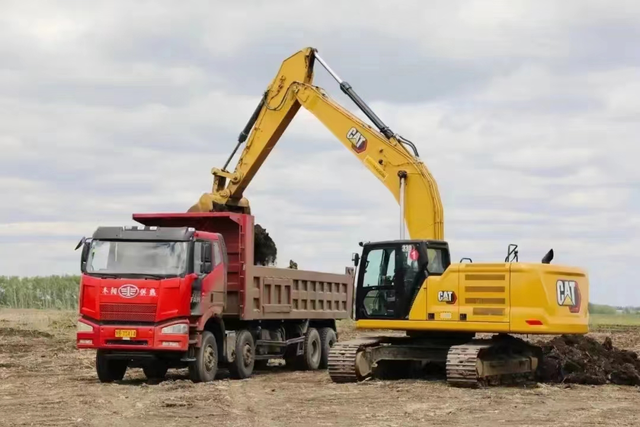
(380, 150)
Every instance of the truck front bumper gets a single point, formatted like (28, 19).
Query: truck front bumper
(92, 335)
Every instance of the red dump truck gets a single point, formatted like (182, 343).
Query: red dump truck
(182, 291)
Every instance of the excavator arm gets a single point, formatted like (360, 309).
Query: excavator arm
(381, 151)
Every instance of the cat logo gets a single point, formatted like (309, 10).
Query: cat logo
(447, 296)
(358, 140)
(568, 295)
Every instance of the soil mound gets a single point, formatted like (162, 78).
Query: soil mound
(583, 360)
(265, 251)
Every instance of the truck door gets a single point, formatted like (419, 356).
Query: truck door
(209, 289)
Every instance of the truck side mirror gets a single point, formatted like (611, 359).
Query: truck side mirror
(355, 257)
(205, 268)
(206, 253)
(86, 245)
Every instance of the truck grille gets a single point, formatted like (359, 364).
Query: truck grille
(128, 312)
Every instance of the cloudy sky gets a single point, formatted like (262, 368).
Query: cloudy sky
(526, 112)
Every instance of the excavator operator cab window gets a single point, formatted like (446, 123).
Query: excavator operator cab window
(389, 278)
(436, 261)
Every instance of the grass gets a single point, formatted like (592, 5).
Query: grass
(615, 319)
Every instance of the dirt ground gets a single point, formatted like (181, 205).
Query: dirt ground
(45, 381)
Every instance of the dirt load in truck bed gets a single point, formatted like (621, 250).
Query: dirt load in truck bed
(265, 251)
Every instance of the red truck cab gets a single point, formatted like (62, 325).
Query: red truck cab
(140, 287)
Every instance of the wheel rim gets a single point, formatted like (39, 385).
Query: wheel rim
(315, 349)
(247, 355)
(209, 358)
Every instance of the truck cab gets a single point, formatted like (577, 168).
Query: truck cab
(140, 288)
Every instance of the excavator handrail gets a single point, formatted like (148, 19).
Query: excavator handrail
(382, 151)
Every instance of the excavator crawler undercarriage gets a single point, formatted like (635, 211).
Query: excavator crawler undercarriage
(500, 360)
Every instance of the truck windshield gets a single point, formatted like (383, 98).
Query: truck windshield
(139, 258)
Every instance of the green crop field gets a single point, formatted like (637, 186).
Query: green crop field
(615, 319)
(50, 292)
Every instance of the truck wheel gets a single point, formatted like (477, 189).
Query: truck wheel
(205, 367)
(109, 370)
(155, 370)
(242, 366)
(327, 340)
(312, 350)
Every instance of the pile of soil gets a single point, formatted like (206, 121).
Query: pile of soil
(265, 251)
(583, 360)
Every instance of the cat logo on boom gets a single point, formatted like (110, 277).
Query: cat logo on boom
(358, 140)
(447, 296)
(568, 295)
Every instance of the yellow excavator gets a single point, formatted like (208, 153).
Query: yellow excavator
(411, 285)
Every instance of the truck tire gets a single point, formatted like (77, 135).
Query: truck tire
(242, 365)
(312, 350)
(109, 370)
(155, 370)
(205, 367)
(327, 340)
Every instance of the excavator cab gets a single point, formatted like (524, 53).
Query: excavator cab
(392, 272)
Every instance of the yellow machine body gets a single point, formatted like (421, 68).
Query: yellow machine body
(518, 298)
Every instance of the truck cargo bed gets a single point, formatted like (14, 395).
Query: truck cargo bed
(257, 292)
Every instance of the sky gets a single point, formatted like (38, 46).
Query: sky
(527, 113)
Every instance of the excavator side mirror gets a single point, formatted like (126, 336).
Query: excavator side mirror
(512, 253)
(548, 257)
(355, 257)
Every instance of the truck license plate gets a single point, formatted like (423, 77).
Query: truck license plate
(125, 333)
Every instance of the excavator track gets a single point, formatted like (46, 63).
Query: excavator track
(462, 363)
(343, 360)
(482, 362)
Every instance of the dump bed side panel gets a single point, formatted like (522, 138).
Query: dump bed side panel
(282, 293)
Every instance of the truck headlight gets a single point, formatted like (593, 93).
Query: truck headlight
(83, 327)
(180, 328)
